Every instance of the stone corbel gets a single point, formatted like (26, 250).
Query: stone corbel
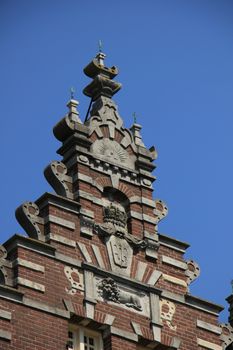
(152, 245)
(156, 321)
(55, 174)
(28, 217)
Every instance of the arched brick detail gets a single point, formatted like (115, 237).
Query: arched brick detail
(126, 190)
(101, 182)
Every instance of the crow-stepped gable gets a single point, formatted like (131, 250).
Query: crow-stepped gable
(94, 272)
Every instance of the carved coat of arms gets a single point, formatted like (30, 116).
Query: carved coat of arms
(120, 251)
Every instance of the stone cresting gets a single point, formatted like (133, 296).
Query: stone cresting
(95, 261)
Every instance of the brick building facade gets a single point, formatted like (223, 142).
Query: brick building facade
(94, 273)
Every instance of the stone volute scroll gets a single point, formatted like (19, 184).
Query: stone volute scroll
(28, 217)
(56, 175)
(160, 211)
(3, 272)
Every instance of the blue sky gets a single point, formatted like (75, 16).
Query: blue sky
(175, 60)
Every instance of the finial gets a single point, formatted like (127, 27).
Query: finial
(100, 45)
(134, 118)
(232, 286)
(72, 91)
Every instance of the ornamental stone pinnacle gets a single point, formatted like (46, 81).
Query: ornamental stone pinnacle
(102, 84)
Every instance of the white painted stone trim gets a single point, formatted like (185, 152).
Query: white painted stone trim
(141, 268)
(156, 333)
(109, 319)
(88, 196)
(139, 216)
(154, 277)
(209, 327)
(174, 262)
(124, 334)
(84, 252)
(61, 239)
(208, 345)
(88, 213)
(98, 256)
(136, 328)
(28, 264)
(6, 315)
(46, 308)
(60, 221)
(83, 177)
(142, 200)
(136, 215)
(149, 219)
(30, 284)
(174, 280)
(5, 334)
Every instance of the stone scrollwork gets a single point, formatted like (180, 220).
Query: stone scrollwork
(75, 278)
(3, 272)
(110, 291)
(3, 253)
(55, 174)
(227, 334)
(161, 210)
(193, 271)
(27, 215)
(167, 311)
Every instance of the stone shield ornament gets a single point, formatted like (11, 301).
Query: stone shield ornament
(120, 255)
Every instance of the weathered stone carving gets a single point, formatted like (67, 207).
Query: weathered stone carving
(27, 215)
(115, 216)
(193, 271)
(3, 272)
(115, 221)
(227, 334)
(112, 151)
(120, 252)
(3, 253)
(167, 311)
(75, 278)
(55, 174)
(109, 229)
(161, 210)
(109, 290)
(105, 111)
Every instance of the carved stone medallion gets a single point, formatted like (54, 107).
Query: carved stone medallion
(111, 151)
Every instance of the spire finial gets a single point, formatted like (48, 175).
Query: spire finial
(232, 286)
(134, 118)
(72, 91)
(100, 45)
(100, 55)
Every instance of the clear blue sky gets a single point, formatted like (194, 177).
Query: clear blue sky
(175, 59)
